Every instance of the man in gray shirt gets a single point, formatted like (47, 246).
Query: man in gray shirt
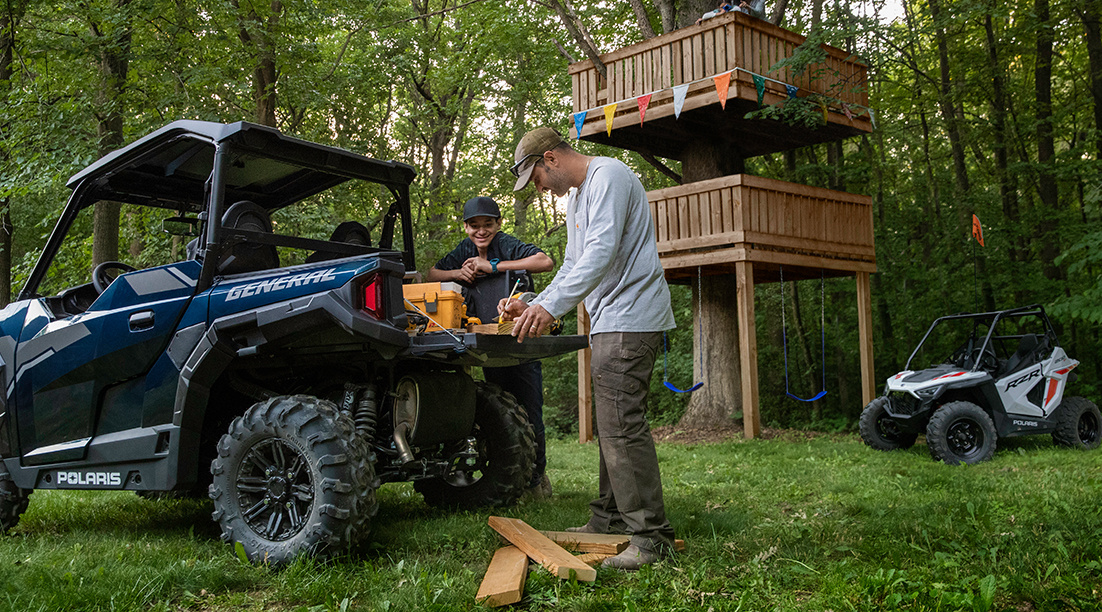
(612, 262)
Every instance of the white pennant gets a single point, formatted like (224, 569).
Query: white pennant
(679, 99)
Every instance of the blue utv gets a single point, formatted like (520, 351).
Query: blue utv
(270, 366)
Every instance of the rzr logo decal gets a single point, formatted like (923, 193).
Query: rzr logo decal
(1034, 374)
(278, 284)
(84, 479)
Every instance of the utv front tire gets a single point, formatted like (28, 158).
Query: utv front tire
(1079, 424)
(961, 432)
(880, 431)
(13, 500)
(506, 454)
(292, 478)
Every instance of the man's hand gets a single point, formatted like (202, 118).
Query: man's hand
(530, 322)
(478, 266)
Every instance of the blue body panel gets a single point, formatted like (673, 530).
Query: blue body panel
(246, 292)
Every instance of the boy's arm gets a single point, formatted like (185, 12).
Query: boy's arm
(538, 262)
(463, 273)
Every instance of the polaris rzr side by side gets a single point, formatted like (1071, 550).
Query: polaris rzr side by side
(1005, 375)
(268, 364)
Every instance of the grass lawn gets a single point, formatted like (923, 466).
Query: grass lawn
(782, 524)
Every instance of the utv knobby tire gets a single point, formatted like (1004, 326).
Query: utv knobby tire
(961, 432)
(291, 477)
(13, 500)
(1078, 424)
(880, 431)
(507, 452)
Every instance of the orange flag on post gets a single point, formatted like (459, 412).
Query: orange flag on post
(977, 229)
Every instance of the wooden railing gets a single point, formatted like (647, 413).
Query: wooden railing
(694, 54)
(754, 218)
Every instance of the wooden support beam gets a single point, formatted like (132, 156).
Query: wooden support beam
(748, 349)
(864, 326)
(541, 549)
(585, 388)
(503, 583)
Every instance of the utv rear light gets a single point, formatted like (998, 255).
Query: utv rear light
(372, 296)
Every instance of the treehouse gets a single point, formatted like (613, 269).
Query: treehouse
(665, 94)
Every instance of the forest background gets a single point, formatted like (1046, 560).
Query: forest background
(982, 107)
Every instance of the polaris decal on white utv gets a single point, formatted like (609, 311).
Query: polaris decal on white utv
(1005, 376)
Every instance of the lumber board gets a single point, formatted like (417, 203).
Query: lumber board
(596, 542)
(503, 583)
(541, 549)
(594, 558)
(498, 329)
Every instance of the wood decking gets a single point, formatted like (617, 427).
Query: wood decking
(693, 56)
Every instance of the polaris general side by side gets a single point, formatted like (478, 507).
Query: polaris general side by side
(269, 366)
(1005, 376)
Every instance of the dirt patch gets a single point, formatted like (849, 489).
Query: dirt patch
(726, 433)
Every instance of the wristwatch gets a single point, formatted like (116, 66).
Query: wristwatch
(493, 264)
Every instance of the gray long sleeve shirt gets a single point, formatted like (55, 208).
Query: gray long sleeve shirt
(611, 256)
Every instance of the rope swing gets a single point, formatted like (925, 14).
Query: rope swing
(822, 331)
(700, 344)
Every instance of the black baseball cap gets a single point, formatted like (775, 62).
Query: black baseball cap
(481, 206)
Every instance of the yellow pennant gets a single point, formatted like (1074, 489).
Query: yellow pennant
(610, 110)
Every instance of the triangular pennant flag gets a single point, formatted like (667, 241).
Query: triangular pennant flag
(723, 83)
(679, 99)
(791, 89)
(826, 117)
(872, 118)
(610, 110)
(579, 119)
(845, 109)
(759, 84)
(643, 101)
(977, 230)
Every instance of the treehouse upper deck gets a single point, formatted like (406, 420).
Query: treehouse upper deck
(733, 43)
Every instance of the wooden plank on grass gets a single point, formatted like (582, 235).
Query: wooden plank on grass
(503, 583)
(541, 549)
(597, 542)
(593, 558)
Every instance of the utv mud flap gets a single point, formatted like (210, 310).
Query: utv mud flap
(491, 351)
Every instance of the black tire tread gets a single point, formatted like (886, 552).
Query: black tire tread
(1067, 423)
(936, 431)
(13, 500)
(344, 477)
(870, 431)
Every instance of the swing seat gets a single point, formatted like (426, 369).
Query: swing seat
(670, 386)
(810, 399)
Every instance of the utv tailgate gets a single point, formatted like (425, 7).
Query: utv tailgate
(489, 350)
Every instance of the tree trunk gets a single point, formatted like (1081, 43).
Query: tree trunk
(716, 358)
(1092, 24)
(1046, 148)
(114, 63)
(7, 54)
(1008, 184)
(253, 30)
(945, 102)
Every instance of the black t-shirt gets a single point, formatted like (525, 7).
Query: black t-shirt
(483, 296)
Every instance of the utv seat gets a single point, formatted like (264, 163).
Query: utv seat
(1024, 356)
(349, 232)
(248, 256)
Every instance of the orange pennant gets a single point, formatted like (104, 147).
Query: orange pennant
(644, 101)
(723, 83)
(977, 230)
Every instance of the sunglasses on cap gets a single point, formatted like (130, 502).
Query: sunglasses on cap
(516, 167)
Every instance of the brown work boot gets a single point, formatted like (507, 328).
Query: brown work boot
(540, 490)
(631, 559)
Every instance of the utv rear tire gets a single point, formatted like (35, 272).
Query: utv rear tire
(291, 478)
(13, 500)
(961, 432)
(1079, 424)
(507, 452)
(880, 431)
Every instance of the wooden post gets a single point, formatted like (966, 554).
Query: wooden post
(585, 389)
(864, 326)
(748, 349)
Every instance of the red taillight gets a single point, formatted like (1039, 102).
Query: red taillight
(373, 297)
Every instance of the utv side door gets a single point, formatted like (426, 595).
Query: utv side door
(84, 375)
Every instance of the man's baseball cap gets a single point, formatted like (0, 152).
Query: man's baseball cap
(481, 206)
(531, 147)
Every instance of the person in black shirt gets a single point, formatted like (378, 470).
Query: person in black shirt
(488, 252)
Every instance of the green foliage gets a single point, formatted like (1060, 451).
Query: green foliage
(793, 523)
